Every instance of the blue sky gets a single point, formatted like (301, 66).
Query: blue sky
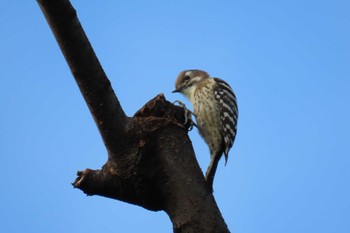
(287, 61)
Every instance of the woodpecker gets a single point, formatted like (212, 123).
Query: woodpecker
(216, 113)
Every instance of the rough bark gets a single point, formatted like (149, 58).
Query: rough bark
(151, 162)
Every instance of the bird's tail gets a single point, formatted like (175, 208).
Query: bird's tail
(209, 176)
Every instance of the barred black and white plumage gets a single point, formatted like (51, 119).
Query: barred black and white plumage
(228, 112)
(216, 112)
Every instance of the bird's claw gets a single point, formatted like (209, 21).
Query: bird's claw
(188, 115)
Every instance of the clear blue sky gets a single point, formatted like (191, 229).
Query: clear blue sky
(288, 62)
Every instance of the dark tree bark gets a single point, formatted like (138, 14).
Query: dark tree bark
(151, 162)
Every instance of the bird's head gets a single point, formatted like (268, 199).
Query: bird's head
(187, 81)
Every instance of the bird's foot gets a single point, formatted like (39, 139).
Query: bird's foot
(188, 115)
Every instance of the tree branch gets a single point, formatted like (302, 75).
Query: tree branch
(151, 161)
(86, 69)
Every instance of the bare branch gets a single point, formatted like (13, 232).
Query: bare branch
(151, 162)
(86, 69)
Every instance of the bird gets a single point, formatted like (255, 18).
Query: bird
(216, 112)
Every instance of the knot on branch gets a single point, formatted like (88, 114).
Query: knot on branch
(159, 112)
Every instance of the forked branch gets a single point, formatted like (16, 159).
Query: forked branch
(151, 161)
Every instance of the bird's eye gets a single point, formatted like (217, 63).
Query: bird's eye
(186, 78)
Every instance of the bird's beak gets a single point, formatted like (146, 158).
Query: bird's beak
(176, 90)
